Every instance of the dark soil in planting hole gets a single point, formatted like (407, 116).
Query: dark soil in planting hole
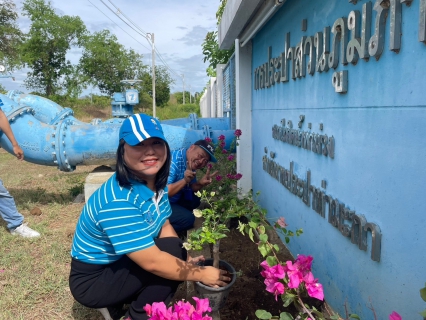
(248, 293)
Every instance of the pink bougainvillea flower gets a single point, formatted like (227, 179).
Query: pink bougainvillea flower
(274, 287)
(208, 139)
(180, 311)
(202, 305)
(294, 275)
(183, 310)
(221, 137)
(224, 151)
(281, 222)
(267, 270)
(314, 288)
(395, 316)
(222, 144)
(159, 311)
(230, 176)
(148, 309)
(264, 264)
(276, 272)
(238, 176)
(238, 133)
(231, 157)
(209, 165)
(218, 177)
(304, 263)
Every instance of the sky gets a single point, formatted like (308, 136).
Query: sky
(179, 28)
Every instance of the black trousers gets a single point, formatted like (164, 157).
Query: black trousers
(182, 218)
(99, 286)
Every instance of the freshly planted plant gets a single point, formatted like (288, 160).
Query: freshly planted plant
(220, 200)
(213, 227)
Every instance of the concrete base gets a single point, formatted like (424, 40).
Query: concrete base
(93, 181)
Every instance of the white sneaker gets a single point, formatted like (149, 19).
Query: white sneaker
(24, 231)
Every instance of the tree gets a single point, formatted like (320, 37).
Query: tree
(179, 97)
(105, 62)
(210, 46)
(213, 54)
(10, 35)
(45, 46)
(163, 80)
(74, 82)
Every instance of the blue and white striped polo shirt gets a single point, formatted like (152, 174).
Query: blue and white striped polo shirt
(116, 221)
(177, 171)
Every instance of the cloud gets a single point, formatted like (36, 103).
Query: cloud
(195, 75)
(194, 37)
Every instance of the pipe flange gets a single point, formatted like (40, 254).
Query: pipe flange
(194, 121)
(66, 112)
(12, 93)
(96, 121)
(59, 155)
(19, 113)
(207, 131)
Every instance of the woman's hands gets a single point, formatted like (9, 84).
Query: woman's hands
(211, 276)
(195, 260)
(214, 277)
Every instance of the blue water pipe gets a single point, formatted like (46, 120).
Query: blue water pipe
(50, 134)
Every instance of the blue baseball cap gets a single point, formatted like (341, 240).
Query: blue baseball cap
(140, 127)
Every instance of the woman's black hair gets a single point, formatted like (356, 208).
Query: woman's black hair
(124, 175)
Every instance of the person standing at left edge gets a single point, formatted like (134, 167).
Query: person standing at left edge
(8, 210)
(125, 251)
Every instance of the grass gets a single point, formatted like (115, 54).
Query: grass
(34, 272)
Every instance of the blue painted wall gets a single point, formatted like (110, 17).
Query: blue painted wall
(378, 170)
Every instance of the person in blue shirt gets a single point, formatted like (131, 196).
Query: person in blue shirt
(8, 210)
(124, 249)
(182, 182)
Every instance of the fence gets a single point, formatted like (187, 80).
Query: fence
(218, 100)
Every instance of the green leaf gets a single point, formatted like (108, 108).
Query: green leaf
(252, 224)
(272, 261)
(251, 235)
(288, 299)
(423, 293)
(264, 250)
(286, 316)
(423, 313)
(263, 314)
(263, 237)
(354, 316)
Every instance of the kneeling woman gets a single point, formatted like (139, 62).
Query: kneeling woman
(124, 248)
